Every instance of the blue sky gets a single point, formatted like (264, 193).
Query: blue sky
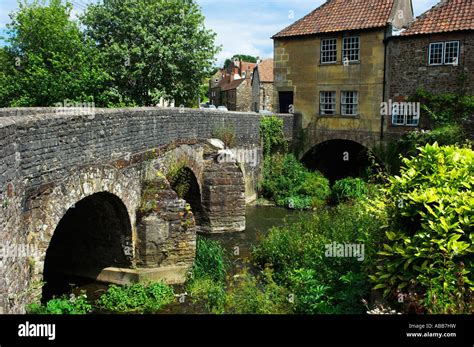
(242, 26)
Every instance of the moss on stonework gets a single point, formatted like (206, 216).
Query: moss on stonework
(150, 194)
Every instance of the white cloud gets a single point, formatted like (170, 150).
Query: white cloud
(242, 26)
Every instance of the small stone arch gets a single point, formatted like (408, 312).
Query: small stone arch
(338, 158)
(369, 140)
(221, 185)
(93, 235)
(48, 207)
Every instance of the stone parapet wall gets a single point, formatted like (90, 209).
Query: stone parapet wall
(50, 159)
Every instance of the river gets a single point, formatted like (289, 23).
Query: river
(259, 220)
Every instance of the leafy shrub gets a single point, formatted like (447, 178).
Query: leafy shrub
(249, 294)
(392, 153)
(136, 298)
(445, 108)
(226, 135)
(428, 251)
(310, 295)
(290, 184)
(273, 136)
(444, 136)
(296, 253)
(62, 305)
(208, 292)
(349, 189)
(297, 202)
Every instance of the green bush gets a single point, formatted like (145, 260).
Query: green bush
(349, 189)
(310, 295)
(210, 293)
(445, 108)
(207, 279)
(249, 294)
(288, 183)
(428, 251)
(444, 135)
(136, 298)
(210, 262)
(62, 305)
(392, 153)
(296, 253)
(273, 136)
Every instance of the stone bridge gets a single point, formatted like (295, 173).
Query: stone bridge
(97, 193)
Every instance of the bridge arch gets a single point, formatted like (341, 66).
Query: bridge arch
(55, 201)
(338, 158)
(94, 234)
(186, 185)
(220, 185)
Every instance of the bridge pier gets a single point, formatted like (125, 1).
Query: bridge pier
(51, 160)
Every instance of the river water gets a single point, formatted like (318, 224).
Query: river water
(259, 220)
(238, 246)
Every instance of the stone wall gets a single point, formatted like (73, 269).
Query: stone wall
(408, 69)
(244, 96)
(266, 96)
(51, 160)
(297, 69)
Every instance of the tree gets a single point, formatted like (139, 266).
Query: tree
(243, 57)
(153, 49)
(48, 60)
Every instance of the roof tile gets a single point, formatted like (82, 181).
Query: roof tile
(448, 15)
(265, 70)
(341, 15)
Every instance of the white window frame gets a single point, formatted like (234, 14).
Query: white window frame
(395, 114)
(355, 106)
(324, 51)
(458, 51)
(322, 97)
(404, 118)
(442, 53)
(443, 56)
(344, 49)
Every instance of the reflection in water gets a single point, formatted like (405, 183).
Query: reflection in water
(260, 219)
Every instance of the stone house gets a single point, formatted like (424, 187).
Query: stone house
(234, 89)
(329, 66)
(435, 52)
(214, 93)
(262, 86)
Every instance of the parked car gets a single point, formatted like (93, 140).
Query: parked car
(222, 108)
(212, 107)
(265, 112)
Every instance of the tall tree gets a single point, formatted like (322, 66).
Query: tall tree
(153, 49)
(47, 59)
